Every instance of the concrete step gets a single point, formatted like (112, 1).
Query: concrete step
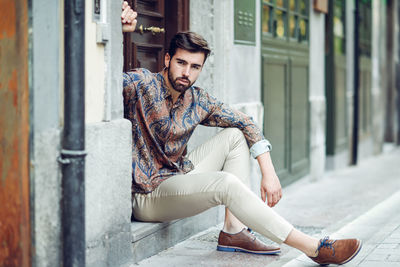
(149, 239)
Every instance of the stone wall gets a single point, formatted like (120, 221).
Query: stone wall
(108, 193)
(108, 164)
(109, 160)
(232, 73)
(45, 185)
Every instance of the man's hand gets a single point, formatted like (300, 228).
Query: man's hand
(270, 188)
(128, 18)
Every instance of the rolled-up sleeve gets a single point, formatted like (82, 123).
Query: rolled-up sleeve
(260, 148)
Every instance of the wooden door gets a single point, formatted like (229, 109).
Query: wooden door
(299, 116)
(158, 21)
(15, 235)
(335, 83)
(275, 90)
(285, 67)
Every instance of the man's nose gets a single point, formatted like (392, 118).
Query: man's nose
(186, 71)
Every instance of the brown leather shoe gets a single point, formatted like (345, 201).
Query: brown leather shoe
(332, 251)
(244, 241)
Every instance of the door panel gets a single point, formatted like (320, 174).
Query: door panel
(275, 74)
(155, 6)
(286, 114)
(340, 104)
(149, 56)
(299, 116)
(144, 48)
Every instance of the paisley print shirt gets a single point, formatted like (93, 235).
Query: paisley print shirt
(161, 129)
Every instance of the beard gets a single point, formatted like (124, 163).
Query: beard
(178, 86)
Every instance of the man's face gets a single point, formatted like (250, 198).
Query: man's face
(183, 68)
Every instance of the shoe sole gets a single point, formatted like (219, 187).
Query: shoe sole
(351, 257)
(354, 254)
(236, 249)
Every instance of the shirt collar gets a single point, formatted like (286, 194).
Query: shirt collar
(164, 89)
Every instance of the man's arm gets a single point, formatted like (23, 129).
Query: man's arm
(128, 20)
(218, 114)
(221, 115)
(270, 186)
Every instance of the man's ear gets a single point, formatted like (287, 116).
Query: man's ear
(167, 59)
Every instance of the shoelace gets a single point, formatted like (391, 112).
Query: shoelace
(327, 244)
(252, 233)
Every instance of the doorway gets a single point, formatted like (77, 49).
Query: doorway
(158, 22)
(285, 67)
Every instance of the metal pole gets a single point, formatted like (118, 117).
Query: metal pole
(73, 144)
(356, 86)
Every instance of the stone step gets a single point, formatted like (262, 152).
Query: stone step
(149, 239)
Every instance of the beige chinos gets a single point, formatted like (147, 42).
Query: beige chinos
(219, 178)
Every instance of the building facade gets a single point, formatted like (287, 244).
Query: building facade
(319, 77)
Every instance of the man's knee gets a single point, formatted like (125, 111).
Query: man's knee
(235, 136)
(228, 186)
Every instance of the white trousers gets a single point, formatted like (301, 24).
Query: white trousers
(220, 177)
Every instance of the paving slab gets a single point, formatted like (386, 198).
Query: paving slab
(376, 229)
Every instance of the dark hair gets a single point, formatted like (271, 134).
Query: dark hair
(189, 41)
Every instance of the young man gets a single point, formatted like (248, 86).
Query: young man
(164, 109)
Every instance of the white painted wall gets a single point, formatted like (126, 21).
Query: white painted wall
(232, 72)
(317, 94)
(238, 64)
(94, 70)
(378, 91)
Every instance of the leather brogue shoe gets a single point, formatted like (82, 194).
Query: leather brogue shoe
(244, 241)
(340, 251)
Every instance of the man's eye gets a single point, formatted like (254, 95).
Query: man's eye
(196, 67)
(181, 63)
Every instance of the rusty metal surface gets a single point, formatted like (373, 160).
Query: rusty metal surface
(14, 134)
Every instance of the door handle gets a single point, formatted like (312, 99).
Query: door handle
(151, 29)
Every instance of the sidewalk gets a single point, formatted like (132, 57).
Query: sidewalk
(379, 228)
(361, 201)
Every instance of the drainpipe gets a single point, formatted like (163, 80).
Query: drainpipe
(356, 86)
(73, 143)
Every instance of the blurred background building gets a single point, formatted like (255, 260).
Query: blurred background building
(320, 77)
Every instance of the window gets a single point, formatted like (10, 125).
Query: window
(339, 28)
(286, 19)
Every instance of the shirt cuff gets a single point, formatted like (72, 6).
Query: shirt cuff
(260, 147)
